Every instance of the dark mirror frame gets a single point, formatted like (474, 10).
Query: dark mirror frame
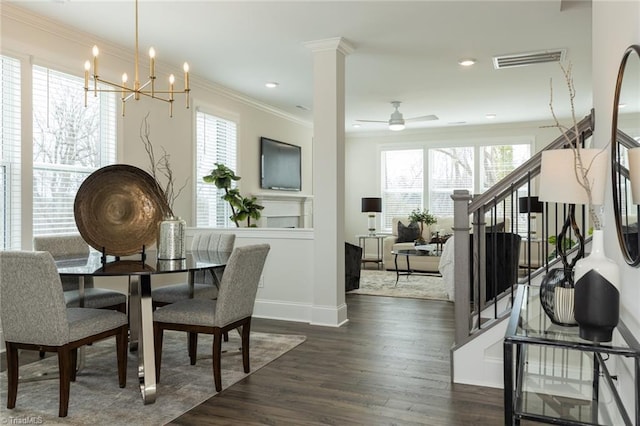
(628, 234)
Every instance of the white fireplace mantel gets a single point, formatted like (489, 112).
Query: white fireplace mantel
(285, 210)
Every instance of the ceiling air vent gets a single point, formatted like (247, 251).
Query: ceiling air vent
(530, 58)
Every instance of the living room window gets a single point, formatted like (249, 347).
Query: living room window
(215, 143)
(10, 153)
(69, 143)
(402, 183)
(473, 167)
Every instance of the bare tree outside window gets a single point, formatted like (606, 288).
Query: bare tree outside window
(70, 141)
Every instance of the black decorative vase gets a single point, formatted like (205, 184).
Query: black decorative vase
(557, 296)
(597, 294)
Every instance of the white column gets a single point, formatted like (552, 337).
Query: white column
(328, 299)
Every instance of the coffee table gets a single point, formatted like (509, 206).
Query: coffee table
(426, 250)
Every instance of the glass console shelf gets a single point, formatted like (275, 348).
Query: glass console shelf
(551, 375)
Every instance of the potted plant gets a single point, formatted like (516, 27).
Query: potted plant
(242, 208)
(422, 217)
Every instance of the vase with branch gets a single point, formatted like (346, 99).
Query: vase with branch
(589, 284)
(422, 217)
(170, 240)
(242, 208)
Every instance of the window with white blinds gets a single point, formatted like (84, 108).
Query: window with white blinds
(449, 169)
(402, 183)
(10, 199)
(70, 141)
(215, 143)
(403, 176)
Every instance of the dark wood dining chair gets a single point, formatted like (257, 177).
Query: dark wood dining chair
(231, 310)
(35, 317)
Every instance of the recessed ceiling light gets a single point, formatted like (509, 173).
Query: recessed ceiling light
(271, 84)
(490, 116)
(467, 62)
(356, 125)
(621, 105)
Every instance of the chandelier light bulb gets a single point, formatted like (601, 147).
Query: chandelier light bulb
(185, 67)
(95, 50)
(125, 78)
(87, 65)
(172, 79)
(152, 52)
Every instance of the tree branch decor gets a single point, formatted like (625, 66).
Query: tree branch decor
(580, 168)
(242, 208)
(160, 169)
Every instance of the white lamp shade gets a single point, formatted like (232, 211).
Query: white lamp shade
(634, 174)
(558, 183)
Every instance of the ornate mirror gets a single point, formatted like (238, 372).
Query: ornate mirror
(625, 128)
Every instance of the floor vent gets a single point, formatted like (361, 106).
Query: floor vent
(530, 58)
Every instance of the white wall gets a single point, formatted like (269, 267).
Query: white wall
(616, 25)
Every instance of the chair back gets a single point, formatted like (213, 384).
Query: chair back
(239, 285)
(62, 246)
(207, 246)
(32, 306)
(65, 246)
(213, 241)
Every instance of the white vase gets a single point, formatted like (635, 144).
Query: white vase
(171, 244)
(597, 292)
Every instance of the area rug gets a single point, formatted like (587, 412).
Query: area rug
(383, 283)
(95, 397)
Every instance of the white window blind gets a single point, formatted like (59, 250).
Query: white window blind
(10, 200)
(402, 183)
(70, 141)
(449, 169)
(215, 143)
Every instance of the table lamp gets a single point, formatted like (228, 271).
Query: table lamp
(530, 205)
(372, 205)
(558, 184)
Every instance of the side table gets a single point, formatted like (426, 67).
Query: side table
(366, 258)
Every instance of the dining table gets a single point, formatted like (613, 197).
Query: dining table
(139, 269)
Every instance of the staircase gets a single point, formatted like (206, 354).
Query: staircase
(476, 356)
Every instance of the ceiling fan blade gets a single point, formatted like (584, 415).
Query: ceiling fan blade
(372, 121)
(423, 118)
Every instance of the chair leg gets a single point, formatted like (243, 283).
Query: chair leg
(64, 365)
(225, 336)
(246, 328)
(121, 350)
(217, 354)
(12, 374)
(74, 364)
(157, 341)
(193, 347)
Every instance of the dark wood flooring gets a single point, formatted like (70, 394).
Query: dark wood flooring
(388, 366)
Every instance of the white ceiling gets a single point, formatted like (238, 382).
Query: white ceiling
(406, 51)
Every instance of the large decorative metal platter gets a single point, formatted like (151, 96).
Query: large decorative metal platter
(118, 208)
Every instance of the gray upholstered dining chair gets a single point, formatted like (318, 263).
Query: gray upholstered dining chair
(205, 283)
(35, 317)
(71, 247)
(232, 309)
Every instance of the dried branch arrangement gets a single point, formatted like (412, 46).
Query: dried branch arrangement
(160, 169)
(580, 168)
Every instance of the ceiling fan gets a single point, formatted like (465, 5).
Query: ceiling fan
(396, 121)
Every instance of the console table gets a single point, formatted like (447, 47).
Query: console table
(551, 375)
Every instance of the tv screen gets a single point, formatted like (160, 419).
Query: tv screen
(280, 165)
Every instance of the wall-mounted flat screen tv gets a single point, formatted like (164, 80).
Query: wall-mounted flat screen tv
(280, 165)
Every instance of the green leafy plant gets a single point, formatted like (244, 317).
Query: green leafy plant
(242, 208)
(422, 217)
